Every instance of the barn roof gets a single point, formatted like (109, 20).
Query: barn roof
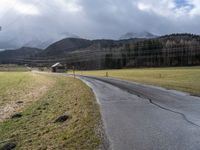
(57, 65)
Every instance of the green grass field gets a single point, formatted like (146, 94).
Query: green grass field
(45, 98)
(180, 78)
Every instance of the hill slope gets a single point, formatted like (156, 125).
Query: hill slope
(8, 56)
(64, 46)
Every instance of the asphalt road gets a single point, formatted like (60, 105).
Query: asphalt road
(141, 117)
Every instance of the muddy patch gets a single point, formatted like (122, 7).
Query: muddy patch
(17, 115)
(8, 146)
(19, 102)
(61, 119)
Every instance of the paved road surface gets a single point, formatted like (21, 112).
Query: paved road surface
(141, 117)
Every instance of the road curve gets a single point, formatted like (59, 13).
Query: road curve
(143, 117)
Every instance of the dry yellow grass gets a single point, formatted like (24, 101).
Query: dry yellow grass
(36, 128)
(17, 90)
(180, 78)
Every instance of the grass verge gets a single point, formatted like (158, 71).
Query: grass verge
(37, 129)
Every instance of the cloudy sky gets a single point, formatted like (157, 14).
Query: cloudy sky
(24, 21)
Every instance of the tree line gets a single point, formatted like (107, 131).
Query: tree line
(173, 50)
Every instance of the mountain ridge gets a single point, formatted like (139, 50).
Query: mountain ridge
(139, 35)
(83, 48)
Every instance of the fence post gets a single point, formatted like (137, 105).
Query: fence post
(106, 74)
(74, 72)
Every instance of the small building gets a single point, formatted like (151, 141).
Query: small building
(58, 67)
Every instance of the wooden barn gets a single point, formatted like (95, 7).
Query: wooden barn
(59, 68)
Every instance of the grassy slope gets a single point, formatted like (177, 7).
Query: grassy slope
(17, 86)
(36, 128)
(183, 78)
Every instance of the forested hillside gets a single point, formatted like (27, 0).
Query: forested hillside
(12, 56)
(169, 50)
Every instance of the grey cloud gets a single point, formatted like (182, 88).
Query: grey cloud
(97, 19)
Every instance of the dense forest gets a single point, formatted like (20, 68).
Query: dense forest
(171, 50)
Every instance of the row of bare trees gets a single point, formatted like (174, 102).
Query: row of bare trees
(155, 53)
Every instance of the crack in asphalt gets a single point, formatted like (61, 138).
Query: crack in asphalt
(183, 115)
(139, 94)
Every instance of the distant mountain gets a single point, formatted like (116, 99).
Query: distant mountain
(139, 35)
(103, 54)
(38, 44)
(38, 40)
(7, 56)
(64, 46)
